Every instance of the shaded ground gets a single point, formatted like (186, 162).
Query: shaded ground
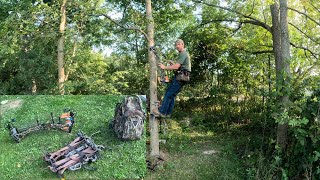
(195, 154)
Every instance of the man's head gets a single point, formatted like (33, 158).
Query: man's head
(179, 45)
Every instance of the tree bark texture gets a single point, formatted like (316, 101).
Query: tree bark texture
(153, 122)
(276, 41)
(281, 48)
(282, 131)
(61, 73)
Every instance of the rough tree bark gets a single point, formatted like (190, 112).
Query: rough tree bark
(282, 130)
(61, 73)
(276, 40)
(153, 122)
(281, 48)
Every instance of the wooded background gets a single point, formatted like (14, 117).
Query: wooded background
(254, 63)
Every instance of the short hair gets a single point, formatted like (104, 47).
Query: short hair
(179, 41)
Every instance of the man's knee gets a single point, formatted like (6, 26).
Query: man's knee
(171, 94)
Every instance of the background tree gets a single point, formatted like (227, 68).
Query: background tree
(61, 74)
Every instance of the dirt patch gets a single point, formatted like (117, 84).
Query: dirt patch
(7, 105)
(210, 152)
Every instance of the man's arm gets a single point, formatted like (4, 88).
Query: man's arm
(175, 66)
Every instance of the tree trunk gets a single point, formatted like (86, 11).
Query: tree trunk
(137, 48)
(153, 122)
(276, 42)
(34, 87)
(269, 85)
(61, 74)
(281, 47)
(282, 130)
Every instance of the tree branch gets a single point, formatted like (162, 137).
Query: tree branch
(125, 27)
(258, 23)
(251, 21)
(314, 6)
(259, 52)
(306, 49)
(304, 33)
(303, 74)
(304, 15)
(254, 52)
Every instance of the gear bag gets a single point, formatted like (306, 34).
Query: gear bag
(183, 76)
(129, 117)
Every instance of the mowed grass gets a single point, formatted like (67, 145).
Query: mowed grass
(194, 154)
(24, 160)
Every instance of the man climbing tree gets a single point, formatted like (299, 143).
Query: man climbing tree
(183, 65)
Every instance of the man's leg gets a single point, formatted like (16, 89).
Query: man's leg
(171, 105)
(169, 98)
(170, 108)
(164, 104)
(166, 100)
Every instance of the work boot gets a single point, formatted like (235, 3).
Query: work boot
(156, 113)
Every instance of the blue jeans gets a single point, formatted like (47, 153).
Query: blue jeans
(167, 104)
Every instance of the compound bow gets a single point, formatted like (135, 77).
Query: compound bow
(18, 133)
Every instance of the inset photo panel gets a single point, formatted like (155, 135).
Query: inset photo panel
(73, 137)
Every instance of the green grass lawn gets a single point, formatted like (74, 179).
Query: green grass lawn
(24, 160)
